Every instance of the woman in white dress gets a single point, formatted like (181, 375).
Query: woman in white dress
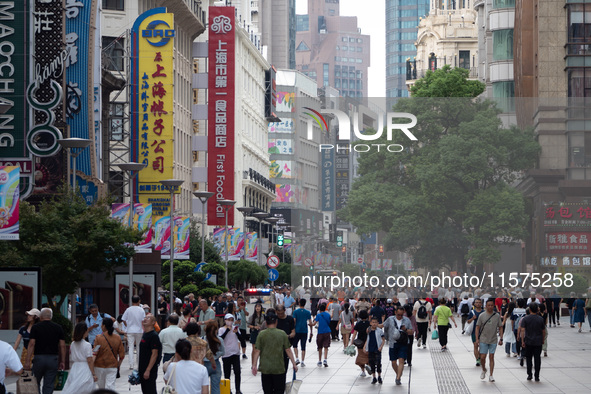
(81, 378)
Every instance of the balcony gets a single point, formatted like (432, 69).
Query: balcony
(189, 14)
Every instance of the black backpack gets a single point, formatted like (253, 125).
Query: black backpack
(422, 312)
(465, 309)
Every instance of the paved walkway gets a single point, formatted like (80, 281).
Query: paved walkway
(566, 370)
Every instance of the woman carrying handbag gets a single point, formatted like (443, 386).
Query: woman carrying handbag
(109, 357)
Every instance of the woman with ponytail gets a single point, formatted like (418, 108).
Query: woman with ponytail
(109, 357)
(346, 323)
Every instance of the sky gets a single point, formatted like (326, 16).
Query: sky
(371, 19)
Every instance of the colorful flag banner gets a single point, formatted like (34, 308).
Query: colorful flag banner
(9, 202)
(182, 225)
(251, 246)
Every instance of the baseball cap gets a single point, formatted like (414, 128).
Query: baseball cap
(228, 316)
(389, 300)
(34, 311)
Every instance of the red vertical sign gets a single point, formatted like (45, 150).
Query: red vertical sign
(220, 130)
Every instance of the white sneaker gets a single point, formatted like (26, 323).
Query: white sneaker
(302, 364)
(507, 354)
(483, 374)
(491, 379)
(424, 346)
(297, 361)
(363, 374)
(319, 363)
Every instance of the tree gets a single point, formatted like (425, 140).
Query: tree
(245, 272)
(446, 198)
(184, 274)
(68, 239)
(211, 253)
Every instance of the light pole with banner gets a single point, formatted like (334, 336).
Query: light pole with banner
(246, 211)
(132, 169)
(227, 205)
(74, 146)
(203, 197)
(172, 185)
(260, 216)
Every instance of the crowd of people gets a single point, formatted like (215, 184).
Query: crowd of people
(205, 338)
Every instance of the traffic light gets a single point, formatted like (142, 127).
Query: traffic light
(381, 250)
(332, 232)
(344, 250)
(280, 240)
(339, 239)
(360, 249)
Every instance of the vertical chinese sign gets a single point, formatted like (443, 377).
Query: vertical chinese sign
(220, 138)
(9, 203)
(152, 103)
(328, 192)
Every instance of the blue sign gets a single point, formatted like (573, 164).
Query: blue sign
(199, 269)
(363, 265)
(273, 275)
(164, 34)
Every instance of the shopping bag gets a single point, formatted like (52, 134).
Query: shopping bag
(469, 328)
(351, 351)
(225, 386)
(27, 384)
(293, 387)
(435, 334)
(60, 380)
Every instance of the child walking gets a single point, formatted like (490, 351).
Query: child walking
(373, 346)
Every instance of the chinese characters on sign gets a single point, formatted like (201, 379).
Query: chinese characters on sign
(220, 132)
(565, 261)
(571, 215)
(327, 187)
(568, 242)
(341, 178)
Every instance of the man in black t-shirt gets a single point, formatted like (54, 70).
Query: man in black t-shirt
(287, 324)
(360, 332)
(149, 358)
(220, 307)
(532, 333)
(48, 344)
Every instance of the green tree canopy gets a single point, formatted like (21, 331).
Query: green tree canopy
(447, 197)
(245, 271)
(67, 238)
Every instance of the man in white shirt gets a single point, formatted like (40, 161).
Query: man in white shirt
(132, 318)
(10, 361)
(169, 336)
(187, 376)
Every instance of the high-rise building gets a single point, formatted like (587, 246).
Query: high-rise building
(331, 49)
(552, 42)
(495, 49)
(402, 21)
(278, 31)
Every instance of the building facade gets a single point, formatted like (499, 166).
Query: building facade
(551, 85)
(402, 21)
(447, 36)
(331, 49)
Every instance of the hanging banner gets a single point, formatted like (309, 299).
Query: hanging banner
(162, 233)
(182, 225)
(251, 246)
(220, 132)
(9, 202)
(142, 221)
(235, 244)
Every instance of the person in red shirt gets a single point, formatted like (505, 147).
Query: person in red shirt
(499, 302)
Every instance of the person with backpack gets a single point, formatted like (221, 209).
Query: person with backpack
(465, 308)
(472, 318)
(397, 330)
(94, 322)
(422, 313)
(486, 337)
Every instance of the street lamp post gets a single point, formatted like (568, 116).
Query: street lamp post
(132, 169)
(260, 216)
(203, 197)
(227, 205)
(70, 144)
(272, 221)
(246, 211)
(172, 185)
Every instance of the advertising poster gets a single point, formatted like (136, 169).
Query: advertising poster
(9, 202)
(142, 220)
(235, 244)
(182, 226)
(144, 285)
(251, 246)
(281, 169)
(280, 146)
(285, 126)
(218, 239)
(162, 234)
(20, 290)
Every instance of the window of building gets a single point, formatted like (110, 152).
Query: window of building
(337, 83)
(503, 4)
(338, 48)
(302, 47)
(115, 5)
(351, 39)
(579, 28)
(504, 95)
(114, 49)
(503, 44)
(345, 47)
(359, 60)
(579, 82)
(337, 58)
(116, 115)
(579, 145)
(351, 49)
(464, 60)
(359, 40)
(345, 84)
(345, 39)
(325, 74)
(359, 49)
(302, 22)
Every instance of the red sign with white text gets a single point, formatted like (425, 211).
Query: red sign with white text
(568, 242)
(220, 130)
